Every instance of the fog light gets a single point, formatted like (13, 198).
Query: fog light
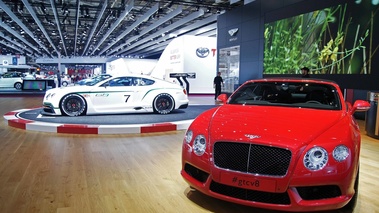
(340, 153)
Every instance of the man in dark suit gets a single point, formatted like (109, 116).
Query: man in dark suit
(217, 83)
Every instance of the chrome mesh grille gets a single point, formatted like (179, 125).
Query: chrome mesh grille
(252, 158)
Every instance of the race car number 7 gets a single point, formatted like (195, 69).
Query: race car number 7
(126, 98)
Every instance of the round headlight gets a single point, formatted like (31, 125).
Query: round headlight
(340, 153)
(316, 158)
(189, 135)
(199, 145)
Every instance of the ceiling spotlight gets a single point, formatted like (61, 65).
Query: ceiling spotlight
(64, 5)
(87, 12)
(43, 8)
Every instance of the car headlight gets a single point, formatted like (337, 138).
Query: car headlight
(50, 95)
(316, 158)
(189, 135)
(340, 153)
(199, 145)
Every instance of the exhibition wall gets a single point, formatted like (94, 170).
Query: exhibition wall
(12, 62)
(356, 54)
(189, 55)
(124, 66)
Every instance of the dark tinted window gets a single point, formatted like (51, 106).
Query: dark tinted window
(320, 96)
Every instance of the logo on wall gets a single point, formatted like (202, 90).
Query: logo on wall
(14, 60)
(5, 62)
(202, 52)
(233, 32)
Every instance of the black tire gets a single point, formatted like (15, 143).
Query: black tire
(163, 103)
(353, 202)
(73, 105)
(64, 83)
(18, 85)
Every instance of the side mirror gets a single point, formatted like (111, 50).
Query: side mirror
(223, 98)
(360, 106)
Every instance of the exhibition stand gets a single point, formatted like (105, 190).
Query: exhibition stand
(372, 116)
(38, 84)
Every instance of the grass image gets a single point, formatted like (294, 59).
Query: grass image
(335, 40)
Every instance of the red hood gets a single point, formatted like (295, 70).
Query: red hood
(283, 126)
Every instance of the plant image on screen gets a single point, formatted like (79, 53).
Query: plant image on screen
(335, 40)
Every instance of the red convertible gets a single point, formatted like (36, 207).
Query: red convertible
(287, 144)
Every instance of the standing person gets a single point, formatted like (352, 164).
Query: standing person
(305, 72)
(217, 82)
(59, 78)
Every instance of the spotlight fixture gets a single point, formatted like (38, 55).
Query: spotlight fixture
(43, 8)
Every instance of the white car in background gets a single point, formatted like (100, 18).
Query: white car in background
(11, 80)
(65, 80)
(121, 94)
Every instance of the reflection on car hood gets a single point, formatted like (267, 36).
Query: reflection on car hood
(273, 125)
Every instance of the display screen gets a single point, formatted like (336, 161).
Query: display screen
(337, 40)
(34, 85)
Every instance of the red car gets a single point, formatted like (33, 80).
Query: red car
(280, 143)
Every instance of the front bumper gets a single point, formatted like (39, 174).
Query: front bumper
(295, 198)
(49, 109)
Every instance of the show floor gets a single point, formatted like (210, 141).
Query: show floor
(76, 173)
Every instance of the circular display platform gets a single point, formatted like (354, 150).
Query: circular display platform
(32, 119)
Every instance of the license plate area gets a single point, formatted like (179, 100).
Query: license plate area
(248, 182)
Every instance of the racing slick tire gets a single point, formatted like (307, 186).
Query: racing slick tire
(163, 103)
(73, 105)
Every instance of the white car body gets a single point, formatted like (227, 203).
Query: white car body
(121, 94)
(11, 79)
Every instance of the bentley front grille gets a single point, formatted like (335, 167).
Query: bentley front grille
(252, 158)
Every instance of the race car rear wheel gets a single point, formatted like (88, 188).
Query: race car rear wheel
(163, 103)
(73, 105)
(18, 85)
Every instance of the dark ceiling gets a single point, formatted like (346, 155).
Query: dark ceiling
(74, 28)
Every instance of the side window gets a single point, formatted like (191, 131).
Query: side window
(142, 82)
(119, 82)
(148, 81)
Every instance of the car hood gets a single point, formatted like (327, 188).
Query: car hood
(278, 126)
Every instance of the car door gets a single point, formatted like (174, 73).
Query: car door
(8, 80)
(2, 81)
(114, 95)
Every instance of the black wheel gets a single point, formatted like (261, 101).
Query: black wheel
(351, 204)
(18, 85)
(163, 103)
(64, 83)
(73, 105)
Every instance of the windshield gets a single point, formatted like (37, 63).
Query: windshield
(96, 79)
(293, 94)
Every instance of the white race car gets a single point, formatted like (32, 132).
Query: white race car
(121, 94)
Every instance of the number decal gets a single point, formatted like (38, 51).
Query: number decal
(126, 98)
(256, 183)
